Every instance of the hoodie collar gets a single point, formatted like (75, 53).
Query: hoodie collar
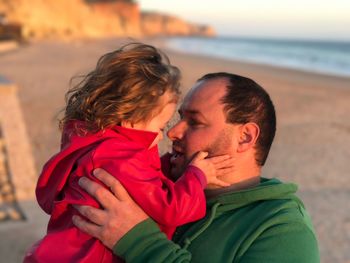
(247, 184)
(268, 189)
(144, 138)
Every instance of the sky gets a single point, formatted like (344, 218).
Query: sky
(295, 19)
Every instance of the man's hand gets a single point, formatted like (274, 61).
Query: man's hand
(120, 213)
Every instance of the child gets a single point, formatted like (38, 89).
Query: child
(113, 120)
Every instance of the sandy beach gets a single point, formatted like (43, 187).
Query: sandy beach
(312, 145)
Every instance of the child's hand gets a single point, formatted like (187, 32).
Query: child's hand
(214, 167)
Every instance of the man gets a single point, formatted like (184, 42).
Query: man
(253, 220)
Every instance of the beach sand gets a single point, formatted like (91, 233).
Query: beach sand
(312, 145)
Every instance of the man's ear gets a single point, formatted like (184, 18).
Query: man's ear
(249, 133)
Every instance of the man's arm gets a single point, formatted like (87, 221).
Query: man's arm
(123, 226)
(288, 242)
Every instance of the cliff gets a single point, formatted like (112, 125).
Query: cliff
(160, 24)
(92, 18)
(69, 18)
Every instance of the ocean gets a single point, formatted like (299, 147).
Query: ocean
(328, 57)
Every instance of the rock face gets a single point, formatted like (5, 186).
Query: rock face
(160, 24)
(69, 18)
(126, 12)
(92, 18)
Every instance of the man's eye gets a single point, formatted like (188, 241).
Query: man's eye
(192, 122)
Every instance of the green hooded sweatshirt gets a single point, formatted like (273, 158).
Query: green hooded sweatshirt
(267, 223)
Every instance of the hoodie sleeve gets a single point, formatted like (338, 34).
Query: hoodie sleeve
(64, 242)
(287, 242)
(169, 204)
(145, 243)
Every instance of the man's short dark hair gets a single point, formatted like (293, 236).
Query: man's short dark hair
(246, 101)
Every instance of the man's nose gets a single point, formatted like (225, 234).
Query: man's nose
(177, 132)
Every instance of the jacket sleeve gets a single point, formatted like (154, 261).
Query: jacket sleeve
(146, 243)
(168, 203)
(64, 242)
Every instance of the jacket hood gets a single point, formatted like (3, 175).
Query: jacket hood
(56, 171)
(268, 189)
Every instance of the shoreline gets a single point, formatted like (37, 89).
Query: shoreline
(304, 55)
(257, 64)
(311, 148)
(266, 65)
(246, 66)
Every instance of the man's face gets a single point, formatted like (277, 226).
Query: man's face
(202, 125)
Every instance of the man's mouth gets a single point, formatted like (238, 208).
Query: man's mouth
(177, 157)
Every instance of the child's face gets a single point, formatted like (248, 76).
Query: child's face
(158, 122)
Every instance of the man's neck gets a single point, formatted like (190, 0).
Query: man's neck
(242, 172)
(242, 185)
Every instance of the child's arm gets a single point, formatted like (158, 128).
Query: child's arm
(168, 203)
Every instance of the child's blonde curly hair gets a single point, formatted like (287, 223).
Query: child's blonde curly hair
(125, 86)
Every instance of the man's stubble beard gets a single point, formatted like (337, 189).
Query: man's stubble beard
(221, 145)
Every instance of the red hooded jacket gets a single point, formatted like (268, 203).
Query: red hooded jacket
(125, 154)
